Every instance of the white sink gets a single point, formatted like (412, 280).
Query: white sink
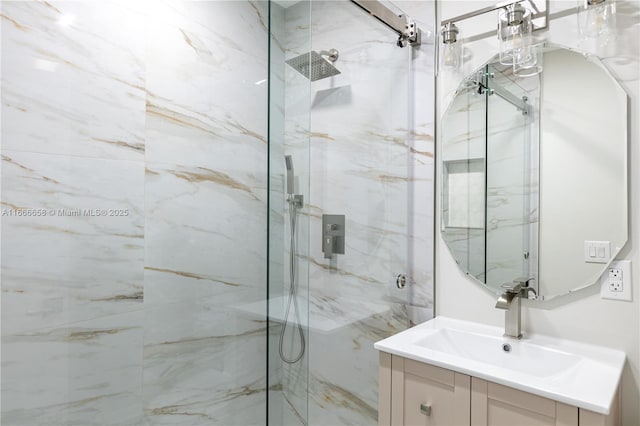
(574, 373)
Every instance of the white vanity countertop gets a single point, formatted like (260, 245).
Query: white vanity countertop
(574, 373)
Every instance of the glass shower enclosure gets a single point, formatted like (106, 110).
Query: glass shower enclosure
(211, 210)
(340, 180)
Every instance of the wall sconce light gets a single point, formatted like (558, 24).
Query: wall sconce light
(597, 19)
(516, 21)
(514, 32)
(451, 56)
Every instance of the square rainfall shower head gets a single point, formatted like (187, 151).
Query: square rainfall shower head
(313, 66)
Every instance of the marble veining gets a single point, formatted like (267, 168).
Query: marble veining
(155, 112)
(91, 107)
(67, 266)
(371, 158)
(161, 111)
(77, 370)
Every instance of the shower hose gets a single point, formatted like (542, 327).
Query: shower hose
(293, 255)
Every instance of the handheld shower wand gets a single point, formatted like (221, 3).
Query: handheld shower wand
(292, 198)
(295, 202)
(289, 164)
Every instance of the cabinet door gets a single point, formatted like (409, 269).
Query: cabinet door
(497, 405)
(427, 395)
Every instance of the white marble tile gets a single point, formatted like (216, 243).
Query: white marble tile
(236, 25)
(207, 100)
(291, 416)
(91, 56)
(204, 359)
(346, 392)
(205, 233)
(374, 201)
(180, 76)
(68, 266)
(297, 29)
(86, 373)
(463, 127)
(204, 363)
(421, 194)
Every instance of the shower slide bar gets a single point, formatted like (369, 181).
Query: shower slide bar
(408, 32)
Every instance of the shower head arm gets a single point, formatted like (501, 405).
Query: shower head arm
(331, 55)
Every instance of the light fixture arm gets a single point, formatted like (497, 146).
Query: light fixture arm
(539, 15)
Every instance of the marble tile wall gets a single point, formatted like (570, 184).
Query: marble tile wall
(294, 134)
(371, 158)
(156, 115)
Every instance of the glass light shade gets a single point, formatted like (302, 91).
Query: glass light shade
(597, 19)
(514, 32)
(528, 61)
(451, 57)
(451, 48)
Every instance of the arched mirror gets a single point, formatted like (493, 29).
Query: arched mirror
(535, 173)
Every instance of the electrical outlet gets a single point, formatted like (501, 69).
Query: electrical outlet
(615, 283)
(615, 274)
(615, 286)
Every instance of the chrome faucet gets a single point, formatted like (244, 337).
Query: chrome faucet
(510, 302)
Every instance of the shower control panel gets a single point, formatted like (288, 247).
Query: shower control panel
(332, 235)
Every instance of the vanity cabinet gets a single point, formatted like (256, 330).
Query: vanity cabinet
(415, 393)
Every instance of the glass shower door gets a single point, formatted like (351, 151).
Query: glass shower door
(346, 130)
(508, 179)
(360, 170)
(288, 215)
(463, 195)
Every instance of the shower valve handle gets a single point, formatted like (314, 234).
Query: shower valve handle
(332, 235)
(328, 247)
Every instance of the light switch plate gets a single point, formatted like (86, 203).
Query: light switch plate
(615, 282)
(597, 251)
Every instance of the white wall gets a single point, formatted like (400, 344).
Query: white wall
(583, 315)
(577, 165)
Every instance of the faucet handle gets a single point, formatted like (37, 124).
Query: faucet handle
(512, 287)
(520, 287)
(522, 281)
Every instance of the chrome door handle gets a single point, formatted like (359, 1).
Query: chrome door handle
(425, 409)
